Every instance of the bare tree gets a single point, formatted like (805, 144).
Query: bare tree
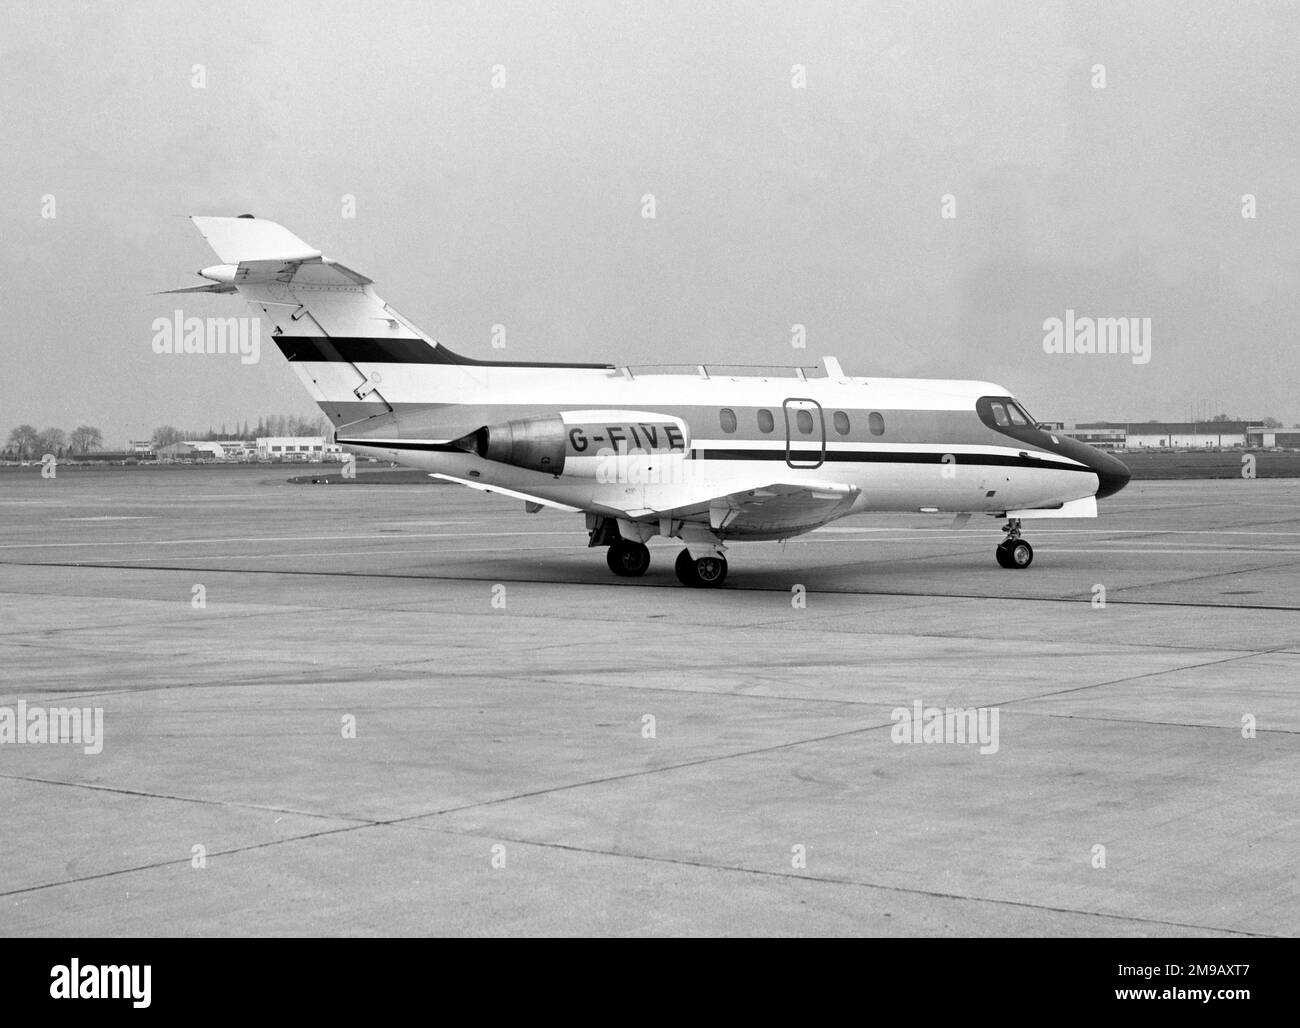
(52, 440)
(85, 438)
(24, 439)
(165, 435)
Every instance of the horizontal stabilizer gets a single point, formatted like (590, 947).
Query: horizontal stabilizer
(236, 240)
(215, 287)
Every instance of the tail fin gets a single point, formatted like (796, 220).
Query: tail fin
(324, 317)
(345, 344)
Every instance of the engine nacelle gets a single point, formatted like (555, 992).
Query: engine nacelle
(578, 441)
(224, 273)
(534, 443)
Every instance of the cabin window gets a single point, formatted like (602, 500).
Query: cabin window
(1000, 414)
(765, 421)
(727, 418)
(876, 423)
(1013, 412)
(804, 420)
(841, 421)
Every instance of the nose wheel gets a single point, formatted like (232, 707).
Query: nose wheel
(1014, 552)
(701, 572)
(1018, 554)
(628, 559)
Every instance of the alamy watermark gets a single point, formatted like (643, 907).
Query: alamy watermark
(179, 334)
(959, 725)
(643, 467)
(77, 726)
(74, 980)
(1075, 335)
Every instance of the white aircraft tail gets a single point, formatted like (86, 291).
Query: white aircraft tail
(324, 317)
(350, 349)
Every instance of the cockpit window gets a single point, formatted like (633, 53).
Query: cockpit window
(1005, 415)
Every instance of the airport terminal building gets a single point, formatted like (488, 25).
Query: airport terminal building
(299, 448)
(269, 448)
(1180, 435)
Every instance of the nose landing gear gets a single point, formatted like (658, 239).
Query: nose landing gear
(1014, 552)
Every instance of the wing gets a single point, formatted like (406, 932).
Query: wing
(534, 503)
(773, 509)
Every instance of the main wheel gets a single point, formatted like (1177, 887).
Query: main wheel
(711, 571)
(628, 559)
(701, 572)
(1015, 554)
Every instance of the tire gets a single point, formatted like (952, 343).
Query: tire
(1020, 555)
(1004, 558)
(628, 559)
(711, 571)
(685, 568)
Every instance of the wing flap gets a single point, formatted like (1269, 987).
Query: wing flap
(764, 507)
(781, 506)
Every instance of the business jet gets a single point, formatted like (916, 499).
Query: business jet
(704, 455)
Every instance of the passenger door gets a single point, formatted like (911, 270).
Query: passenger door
(805, 433)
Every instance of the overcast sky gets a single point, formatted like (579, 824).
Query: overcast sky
(774, 205)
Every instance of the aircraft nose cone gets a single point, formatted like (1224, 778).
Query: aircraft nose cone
(1112, 473)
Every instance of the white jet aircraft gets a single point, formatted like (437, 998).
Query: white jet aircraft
(702, 456)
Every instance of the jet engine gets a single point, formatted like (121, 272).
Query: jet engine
(577, 440)
(534, 443)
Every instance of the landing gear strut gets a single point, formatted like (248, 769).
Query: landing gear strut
(628, 559)
(1014, 552)
(707, 572)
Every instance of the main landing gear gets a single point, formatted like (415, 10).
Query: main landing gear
(630, 559)
(627, 558)
(706, 572)
(1014, 552)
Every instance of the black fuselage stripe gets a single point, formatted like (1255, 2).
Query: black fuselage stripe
(373, 350)
(394, 444)
(803, 456)
(890, 457)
